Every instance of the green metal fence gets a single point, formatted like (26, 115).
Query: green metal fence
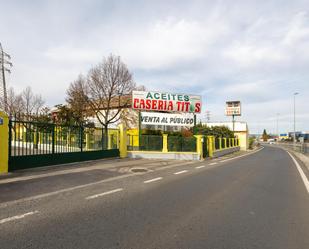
(33, 144)
(217, 143)
(228, 144)
(181, 144)
(222, 143)
(145, 142)
(205, 147)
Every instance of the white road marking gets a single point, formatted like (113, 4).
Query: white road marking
(180, 172)
(212, 163)
(199, 167)
(36, 197)
(301, 172)
(241, 156)
(57, 192)
(17, 217)
(153, 180)
(105, 193)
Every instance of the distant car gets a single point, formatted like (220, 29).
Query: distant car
(272, 142)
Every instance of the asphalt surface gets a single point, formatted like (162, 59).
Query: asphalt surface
(256, 201)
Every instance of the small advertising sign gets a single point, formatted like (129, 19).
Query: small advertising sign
(167, 102)
(1, 121)
(233, 108)
(168, 119)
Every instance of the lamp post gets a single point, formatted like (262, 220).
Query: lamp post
(294, 139)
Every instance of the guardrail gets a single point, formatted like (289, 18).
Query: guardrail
(298, 147)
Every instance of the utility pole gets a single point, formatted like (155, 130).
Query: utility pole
(5, 65)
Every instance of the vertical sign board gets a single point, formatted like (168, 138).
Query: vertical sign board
(1, 121)
(166, 102)
(233, 108)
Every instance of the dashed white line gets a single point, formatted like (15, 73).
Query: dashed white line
(18, 217)
(253, 152)
(180, 172)
(212, 163)
(105, 193)
(153, 180)
(199, 167)
(301, 172)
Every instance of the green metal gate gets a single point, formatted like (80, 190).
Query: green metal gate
(35, 144)
(205, 147)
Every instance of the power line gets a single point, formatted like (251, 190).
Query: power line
(5, 66)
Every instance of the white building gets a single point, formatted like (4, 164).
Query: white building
(241, 131)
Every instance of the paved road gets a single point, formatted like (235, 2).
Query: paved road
(257, 201)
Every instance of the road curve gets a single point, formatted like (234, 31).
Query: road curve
(258, 201)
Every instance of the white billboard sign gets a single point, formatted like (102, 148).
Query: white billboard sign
(233, 108)
(168, 119)
(166, 102)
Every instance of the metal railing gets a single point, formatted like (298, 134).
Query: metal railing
(181, 144)
(35, 138)
(145, 142)
(298, 147)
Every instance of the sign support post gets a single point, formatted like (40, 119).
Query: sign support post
(233, 117)
(139, 128)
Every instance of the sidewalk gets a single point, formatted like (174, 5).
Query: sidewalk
(113, 165)
(24, 184)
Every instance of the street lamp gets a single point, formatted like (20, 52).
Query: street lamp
(294, 140)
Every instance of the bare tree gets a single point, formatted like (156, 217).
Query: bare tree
(109, 86)
(33, 103)
(77, 99)
(14, 102)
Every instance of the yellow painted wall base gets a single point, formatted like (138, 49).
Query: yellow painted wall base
(123, 141)
(4, 143)
(199, 145)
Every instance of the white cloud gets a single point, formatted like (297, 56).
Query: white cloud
(246, 55)
(298, 30)
(71, 54)
(253, 51)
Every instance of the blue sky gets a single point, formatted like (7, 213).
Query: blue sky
(253, 51)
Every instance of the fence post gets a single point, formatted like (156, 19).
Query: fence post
(210, 140)
(87, 140)
(123, 141)
(220, 143)
(4, 143)
(199, 146)
(165, 149)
